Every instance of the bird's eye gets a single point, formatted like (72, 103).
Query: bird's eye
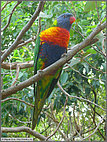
(65, 16)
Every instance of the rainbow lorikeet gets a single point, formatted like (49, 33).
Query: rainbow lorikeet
(51, 44)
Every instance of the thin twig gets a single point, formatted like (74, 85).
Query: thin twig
(50, 116)
(17, 74)
(97, 12)
(60, 121)
(96, 112)
(103, 45)
(10, 16)
(27, 41)
(5, 5)
(22, 101)
(46, 129)
(5, 17)
(94, 67)
(17, 100)
(79, 32)
(77, 127)
(102, 53)
(77, 97)
(95, 129)
(99, 130)
(56, 121)
(16, 118)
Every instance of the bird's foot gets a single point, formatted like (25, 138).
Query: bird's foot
(64, 55)
(40, 72)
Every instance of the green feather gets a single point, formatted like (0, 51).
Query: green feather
(55, 23)
(44, 89)
(36, 51)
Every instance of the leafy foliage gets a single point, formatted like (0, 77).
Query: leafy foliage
(84, 76)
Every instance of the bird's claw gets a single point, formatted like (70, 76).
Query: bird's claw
(64, 55)
(69, 62)
(40, 72)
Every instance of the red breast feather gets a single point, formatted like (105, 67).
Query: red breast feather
(56, 36)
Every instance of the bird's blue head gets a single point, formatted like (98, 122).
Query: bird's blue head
(65, 21)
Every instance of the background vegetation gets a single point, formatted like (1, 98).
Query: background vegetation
(84, 76)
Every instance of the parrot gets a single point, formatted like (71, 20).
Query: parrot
(51, 44)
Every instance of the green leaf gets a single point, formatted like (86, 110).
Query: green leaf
(44, 15)
(71, 32)
(85, 22)
(4, 135)
(87, 90)
(74, 61)
(100, 37)
(18, 59)
(104, 65)
(64, 77)
(86, 66)
(6, 119)
(16, 53)
(93, 26)
(91, 51)
(91, 5)
(23, 53)
(55, 22)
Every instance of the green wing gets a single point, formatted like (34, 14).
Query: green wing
(36, 52)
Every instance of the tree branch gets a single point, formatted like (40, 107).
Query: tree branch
(32, 38)
(10, 16)
(89, 40)
(17, 100)
(95, 129)
(14, 65)
(17, 74)
(97, 12)
(50, 116)
(27, 41)
(5, 5)
(99, 130)
(23, 31)
(23, 129)
(102, 53)
(96, 112)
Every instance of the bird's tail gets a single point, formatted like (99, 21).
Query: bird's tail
(43, 90)
(37, 109)
(35, 117)
(39, 103)
(34, 120)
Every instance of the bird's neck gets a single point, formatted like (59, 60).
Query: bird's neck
(55, 35)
